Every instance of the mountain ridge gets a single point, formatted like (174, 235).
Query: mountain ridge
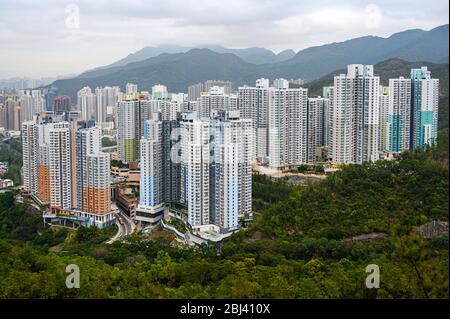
(179, 70)
(255, 55)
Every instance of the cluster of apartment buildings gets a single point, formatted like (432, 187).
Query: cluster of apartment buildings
(195, 154)
(195, 150)
(369, 121)
(356, 120)
(64, 167)
(411, 111)
(203, 164)
(21, 105)
(196, 90)
(12, 112)
(99, 105)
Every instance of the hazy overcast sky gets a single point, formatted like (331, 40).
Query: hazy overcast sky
(54, 37)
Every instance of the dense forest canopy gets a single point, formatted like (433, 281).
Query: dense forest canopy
(11, 152)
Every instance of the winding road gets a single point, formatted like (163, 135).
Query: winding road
(125, 228)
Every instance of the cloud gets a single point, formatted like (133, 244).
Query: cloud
(50, 37)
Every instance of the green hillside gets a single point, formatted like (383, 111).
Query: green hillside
(297, 247)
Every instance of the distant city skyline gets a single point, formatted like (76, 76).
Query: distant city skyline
(50, 38)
